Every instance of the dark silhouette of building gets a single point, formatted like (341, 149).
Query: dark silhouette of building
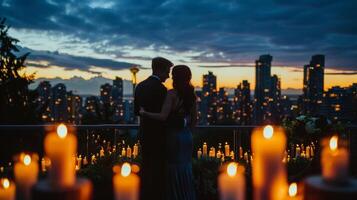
(117, 99)
(74, 108)
(43, 101)
(313, 88)
(224, 108)
(242, 104)
(59, 103)
(209, 99)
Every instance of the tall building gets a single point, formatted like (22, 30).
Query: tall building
(209, 99)
(242, 104)
(224, 108)
(262, 88)
(106, 103)
(74, 108)
(313, 85)
(275, 100)
(117, 99)
(59, 103)
(44, 99)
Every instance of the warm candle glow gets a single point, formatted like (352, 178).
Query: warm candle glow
(27, 160)
(268, 132)
(232, 169)
(5, 183)
(125, 169)
(333, 143)
(62, 131)
(292, 189)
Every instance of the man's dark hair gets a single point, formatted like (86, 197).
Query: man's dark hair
(160, 64)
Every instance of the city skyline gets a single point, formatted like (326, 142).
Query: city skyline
(106, 38)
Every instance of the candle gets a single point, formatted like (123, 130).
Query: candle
(204, 149)
(85, 161)
(101, 152)
(213, 151)
(126, 184)
(43, 165)
(293, 192)
(79, 161)
(199, 153)
(232, 155)
(60, 148)
(128, 152)
(240, 152)
(308, 148)
(297, 151)
(312, 151)
(246, 156)
(268, 170)
(231, 183)
(93, 160)
(123, 152)
(219, 154)
(7, 189)
(334, 161)
(226, 149)
(135, 151)
(26, 173)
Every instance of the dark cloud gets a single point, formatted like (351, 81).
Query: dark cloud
(290, 30)
(70, 62)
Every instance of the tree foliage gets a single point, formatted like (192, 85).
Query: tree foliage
(16, 100)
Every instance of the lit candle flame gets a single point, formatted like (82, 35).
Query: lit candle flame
(62, 131)
(125, 169)
(5, 183)
(333, 143)
(27, 160)
(292, 189)
(232, 169)
(268, 132)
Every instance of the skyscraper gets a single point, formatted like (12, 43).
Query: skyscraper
(117, 99)
(313, 85)
(59, 103)
(44, 99)
(243, 104)
(262, 87)
(209, 99)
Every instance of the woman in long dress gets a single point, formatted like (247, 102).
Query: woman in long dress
(180, 101)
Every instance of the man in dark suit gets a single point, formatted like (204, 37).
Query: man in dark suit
(150, 95)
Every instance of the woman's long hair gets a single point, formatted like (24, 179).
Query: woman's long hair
(181, 76)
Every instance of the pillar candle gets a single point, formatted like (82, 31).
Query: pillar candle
(93, 159)
(60, 148)
(85, 161)
(126, 184)
(43, 165)
(219, 154)
(101, 152)
(240, 152)
(204, 149)
(308, 148)
(79, 161)
(232, 155)
(268, 170)
(231, 183)
(246, 156)
(7, 189)
(297, 151)
(135, 150)
(334, 161)
(213, 151)
(26, 173)
(226, 149)
(199, 153)
(128, 152)
(123, 152)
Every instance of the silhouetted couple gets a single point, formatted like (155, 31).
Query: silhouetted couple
(166, 119)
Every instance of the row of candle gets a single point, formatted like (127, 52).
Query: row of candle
(269, 173)
(60, 162)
